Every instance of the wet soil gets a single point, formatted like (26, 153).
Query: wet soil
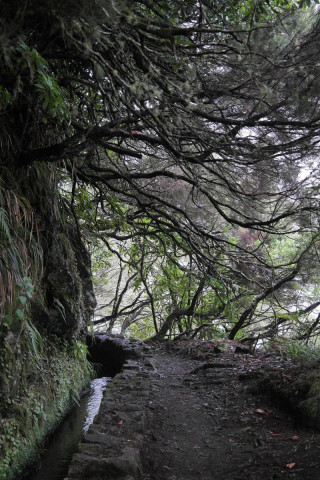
(208, 420)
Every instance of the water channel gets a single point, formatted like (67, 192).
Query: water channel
(56, 456)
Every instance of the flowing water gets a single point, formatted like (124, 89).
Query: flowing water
(57, 455)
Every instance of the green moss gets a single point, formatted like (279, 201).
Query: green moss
(310, 411)
(315, 388)
(298, 389)
(34, 404)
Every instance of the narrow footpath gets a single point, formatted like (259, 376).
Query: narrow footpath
(207, 420)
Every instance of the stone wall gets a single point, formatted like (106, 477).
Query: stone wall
(111, 447)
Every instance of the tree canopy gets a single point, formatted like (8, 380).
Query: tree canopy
(183, 137)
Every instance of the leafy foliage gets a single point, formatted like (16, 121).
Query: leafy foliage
(80, 350)
(18, 309)
(20, 255)
(294, 349)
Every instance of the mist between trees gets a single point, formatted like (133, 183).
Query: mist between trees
(181, 139)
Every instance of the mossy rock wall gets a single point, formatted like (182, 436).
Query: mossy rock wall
(42, 361)
(298, 390)
(65, 302)
(36, 390)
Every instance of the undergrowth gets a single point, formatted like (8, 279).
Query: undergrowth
(296, 350)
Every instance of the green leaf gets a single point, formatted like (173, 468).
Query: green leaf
(19, 314)
(22, 299)
(8, 319)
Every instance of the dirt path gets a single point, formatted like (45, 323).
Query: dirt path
(212, 425)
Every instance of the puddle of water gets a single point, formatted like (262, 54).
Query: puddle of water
(56, 457)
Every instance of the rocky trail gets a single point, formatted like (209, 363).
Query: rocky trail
(205, 410)
(207, 420)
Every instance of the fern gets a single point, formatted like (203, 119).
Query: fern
(20, 252)
(58, 305)
(35, 341)
(4, 223)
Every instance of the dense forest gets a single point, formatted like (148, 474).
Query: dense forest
(158, 176)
